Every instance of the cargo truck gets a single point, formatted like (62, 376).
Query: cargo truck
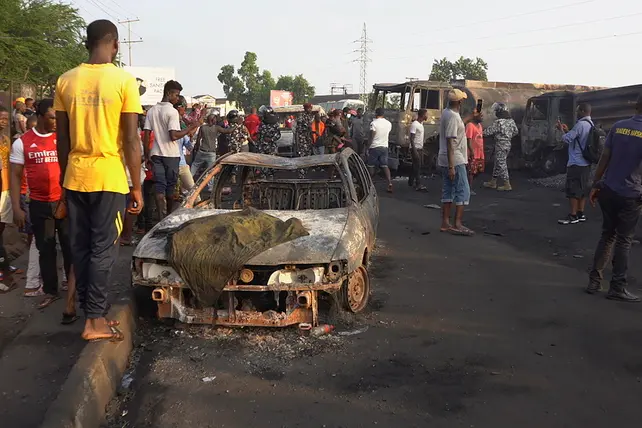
(541, 142)
(401, 101)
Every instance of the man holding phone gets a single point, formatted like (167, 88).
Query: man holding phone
(578, 169)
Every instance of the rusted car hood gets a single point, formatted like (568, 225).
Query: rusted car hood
(325, 227)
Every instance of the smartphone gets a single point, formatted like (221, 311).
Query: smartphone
(480, 104)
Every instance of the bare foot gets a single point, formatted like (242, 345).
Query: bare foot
(100, 329)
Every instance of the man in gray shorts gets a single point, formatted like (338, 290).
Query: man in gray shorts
(378, 146)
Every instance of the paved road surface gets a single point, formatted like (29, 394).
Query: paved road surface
(486, 331)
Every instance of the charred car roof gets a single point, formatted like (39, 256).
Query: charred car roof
(277, 162)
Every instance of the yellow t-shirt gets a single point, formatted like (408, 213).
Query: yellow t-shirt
(94, 96)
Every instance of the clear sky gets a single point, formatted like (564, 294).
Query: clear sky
(522, 41)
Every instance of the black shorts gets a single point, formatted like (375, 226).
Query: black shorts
(577, 181)
(165, 174)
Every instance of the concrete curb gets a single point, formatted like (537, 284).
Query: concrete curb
(94, 379)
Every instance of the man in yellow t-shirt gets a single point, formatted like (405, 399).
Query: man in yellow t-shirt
(97, 107)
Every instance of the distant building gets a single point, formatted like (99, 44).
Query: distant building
(318, 99)
(219, 105)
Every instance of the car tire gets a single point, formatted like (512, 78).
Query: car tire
(355, 291)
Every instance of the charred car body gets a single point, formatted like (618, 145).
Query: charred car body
(286, 284)
(541, 141)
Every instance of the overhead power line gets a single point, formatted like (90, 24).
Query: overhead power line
(586, 39)
(514, 33)
(517, 15)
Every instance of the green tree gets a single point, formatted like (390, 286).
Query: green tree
(302, 89)
(463, 68)
(250, 87)
(39, 40)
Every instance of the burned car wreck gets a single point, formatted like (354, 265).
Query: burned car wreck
(289, 283)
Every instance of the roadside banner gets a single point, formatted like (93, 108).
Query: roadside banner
(281, 98)
(151, 81)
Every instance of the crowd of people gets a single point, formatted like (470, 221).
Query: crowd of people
(84, 166)
(616, 185)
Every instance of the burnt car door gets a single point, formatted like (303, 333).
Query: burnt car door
(365, 195)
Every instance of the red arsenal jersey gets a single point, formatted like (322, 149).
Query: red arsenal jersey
(39, 155)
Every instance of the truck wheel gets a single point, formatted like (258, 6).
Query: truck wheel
(552, 163)
(355, 292)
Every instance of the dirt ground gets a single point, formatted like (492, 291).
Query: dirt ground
(486, 331)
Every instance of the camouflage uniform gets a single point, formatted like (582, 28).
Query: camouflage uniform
(503, 130)
(268, 135)
(304, 133)
(304, 137)
(238, 136)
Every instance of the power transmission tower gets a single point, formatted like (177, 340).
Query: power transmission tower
(363, 61)
(129, 40)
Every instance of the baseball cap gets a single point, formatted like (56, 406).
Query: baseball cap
(457, 95)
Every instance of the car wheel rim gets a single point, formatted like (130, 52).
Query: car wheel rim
(358, 289)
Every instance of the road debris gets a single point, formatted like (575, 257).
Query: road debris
(209, 379)
(433, 206)
(321, 330)
(578, 256)
(126, 382)
(353, 332)
(494, 234)
(553, 182)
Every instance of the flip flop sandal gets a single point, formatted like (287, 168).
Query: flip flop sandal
(48, 301)
(461, 232)
(68, 318)
(422, 189)
(116, 336)
(34, 292)
(390, 188)
(15, 270)
(113, 323)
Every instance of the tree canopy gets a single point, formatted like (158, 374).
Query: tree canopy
(298, 85)
(250, 87)
(463, 68)
(39, 40)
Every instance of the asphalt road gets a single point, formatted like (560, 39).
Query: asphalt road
(490, 331)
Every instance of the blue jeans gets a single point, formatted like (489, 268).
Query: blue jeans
(457, 190)
(203, 161)
(318, 150)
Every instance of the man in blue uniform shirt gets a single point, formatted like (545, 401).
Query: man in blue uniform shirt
(619, 193)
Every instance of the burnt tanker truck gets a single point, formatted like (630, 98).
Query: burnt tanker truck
(541, 142)
(401, 101)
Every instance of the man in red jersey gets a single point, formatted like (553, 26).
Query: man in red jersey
(252, 123)
(35, 154)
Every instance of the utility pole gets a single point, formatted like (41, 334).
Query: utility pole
(363, 60)
(129, 40)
